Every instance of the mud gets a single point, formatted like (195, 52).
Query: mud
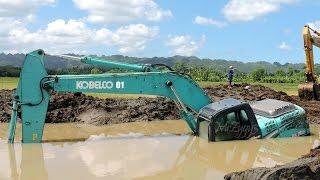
(307, 167)
(81, 108)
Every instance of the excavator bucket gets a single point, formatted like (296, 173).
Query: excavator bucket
(309, 91)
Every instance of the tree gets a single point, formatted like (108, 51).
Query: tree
(290, 71)
(181, 67)
(317, 70)
(280, 73)
(95, 71)
(258, 74)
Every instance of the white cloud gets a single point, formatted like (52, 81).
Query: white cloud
(31, 18)
(14, 16)
(7, 24)
(247, 10)
(62, 36)
(207, 21)
(128, 38)
(108, 11)
(184, 45)
(284, 46)
(315, 25)
(21, 8)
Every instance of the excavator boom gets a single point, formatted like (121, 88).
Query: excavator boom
(310, 89)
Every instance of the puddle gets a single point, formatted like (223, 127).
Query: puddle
(143, 154)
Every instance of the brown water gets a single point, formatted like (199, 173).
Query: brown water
(132, 155)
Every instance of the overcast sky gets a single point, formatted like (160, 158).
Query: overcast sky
(246, 30)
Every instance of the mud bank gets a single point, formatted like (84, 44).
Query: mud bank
(307, 167)
(81, 108)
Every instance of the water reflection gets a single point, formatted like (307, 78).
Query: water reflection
(32, 163)
(141, 157)
(13, 162)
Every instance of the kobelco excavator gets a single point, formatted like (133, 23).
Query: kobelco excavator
(228, 119)
(310, 89)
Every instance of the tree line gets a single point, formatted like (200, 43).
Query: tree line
(260, 74)
(196, 72)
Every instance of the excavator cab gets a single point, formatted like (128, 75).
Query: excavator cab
(228, 119)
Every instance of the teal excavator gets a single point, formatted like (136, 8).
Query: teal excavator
(228, 119)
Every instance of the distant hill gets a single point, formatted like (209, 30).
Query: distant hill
(54, 63)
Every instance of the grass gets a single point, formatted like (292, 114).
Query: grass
(291, 89)
(8, 82)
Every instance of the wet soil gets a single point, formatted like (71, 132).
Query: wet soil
(68, 107)
(307, 167)
(78, 107)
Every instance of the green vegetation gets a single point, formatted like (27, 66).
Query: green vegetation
(258, 75)
(9, 71)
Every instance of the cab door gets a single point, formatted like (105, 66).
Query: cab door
(226, 126)
(236, 123)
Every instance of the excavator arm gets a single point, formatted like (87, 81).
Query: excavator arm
(310, 89)
(309, 42)
(35, 85)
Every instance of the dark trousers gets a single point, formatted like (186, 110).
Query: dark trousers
(230, 81)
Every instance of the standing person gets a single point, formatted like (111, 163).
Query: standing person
(230, 76)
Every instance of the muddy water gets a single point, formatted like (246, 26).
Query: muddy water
(125, 153)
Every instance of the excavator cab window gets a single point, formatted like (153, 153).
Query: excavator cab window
(228, 119)
(234, 123)
(226, 126)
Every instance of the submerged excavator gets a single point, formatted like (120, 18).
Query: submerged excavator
(228, 119)
(311, 89)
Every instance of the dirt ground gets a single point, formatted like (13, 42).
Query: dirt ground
(81, 108)
(307, 167)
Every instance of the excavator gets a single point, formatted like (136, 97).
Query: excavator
(227, 119)
(311, 89)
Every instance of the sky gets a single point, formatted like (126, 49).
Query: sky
(243, 30)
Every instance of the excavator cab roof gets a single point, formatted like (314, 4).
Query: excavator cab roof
(210, 110)
(272, 108)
